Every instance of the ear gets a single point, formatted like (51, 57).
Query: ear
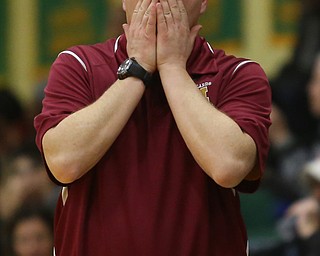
(204, 5)
(124, 5)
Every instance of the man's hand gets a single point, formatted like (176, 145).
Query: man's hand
(175, 39)
(141, 34)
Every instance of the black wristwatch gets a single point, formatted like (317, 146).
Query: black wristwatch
(130, 67)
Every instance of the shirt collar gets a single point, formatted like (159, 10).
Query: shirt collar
(202, 58)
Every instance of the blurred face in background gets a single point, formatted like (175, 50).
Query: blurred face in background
(314, 89)
(32, 237)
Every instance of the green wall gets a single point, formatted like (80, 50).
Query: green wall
(64, 23)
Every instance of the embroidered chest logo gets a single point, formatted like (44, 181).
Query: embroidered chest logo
(203, 87)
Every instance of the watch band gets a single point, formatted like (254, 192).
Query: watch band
(140, 72)
(130, 67)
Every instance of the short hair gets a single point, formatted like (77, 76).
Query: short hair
(10, 107)
(26, 212)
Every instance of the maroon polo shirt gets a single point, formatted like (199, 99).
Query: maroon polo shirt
(147, 196)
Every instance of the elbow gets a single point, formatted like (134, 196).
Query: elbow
(63, 170)
(225, 180)
(228, 174)
(62, 163)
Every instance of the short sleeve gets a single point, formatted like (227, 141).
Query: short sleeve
(246, 98)
(67, 91)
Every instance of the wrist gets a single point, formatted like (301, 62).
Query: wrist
(149, 68)
(173, 75)
(173, 67)
(131, 68)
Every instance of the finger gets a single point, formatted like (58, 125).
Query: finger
(183, 12)
(146, 14)
(161, 20)
(166, 11)
(136, 11)
(174, 8)
(151, 18)
(142, 9)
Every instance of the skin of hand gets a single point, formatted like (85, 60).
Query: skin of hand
(175, 39)
(162, 32)
(141, 34)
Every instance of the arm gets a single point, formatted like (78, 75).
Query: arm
(79, 141)
(220, 147)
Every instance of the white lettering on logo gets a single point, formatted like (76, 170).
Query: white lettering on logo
(204, 84)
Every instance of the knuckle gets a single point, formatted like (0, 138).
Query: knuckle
(174, 7)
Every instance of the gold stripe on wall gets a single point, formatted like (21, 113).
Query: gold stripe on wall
(22, 47)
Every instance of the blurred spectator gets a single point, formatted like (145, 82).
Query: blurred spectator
(281, 186)
(27, 181)
(287, 156)
(289, 87)
(12, 121)
(313, 90)
(22, 174)
(14, 132)
(308, 41)
(300, 227)
(30, 232)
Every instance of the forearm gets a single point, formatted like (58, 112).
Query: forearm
(78, 142)
(217, 143)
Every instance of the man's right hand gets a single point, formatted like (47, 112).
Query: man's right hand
(141, 34)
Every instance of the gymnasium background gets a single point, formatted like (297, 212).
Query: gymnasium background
(33, 32)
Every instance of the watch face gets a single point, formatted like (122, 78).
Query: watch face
(130, 67)
(123, 69)
(127, 63)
